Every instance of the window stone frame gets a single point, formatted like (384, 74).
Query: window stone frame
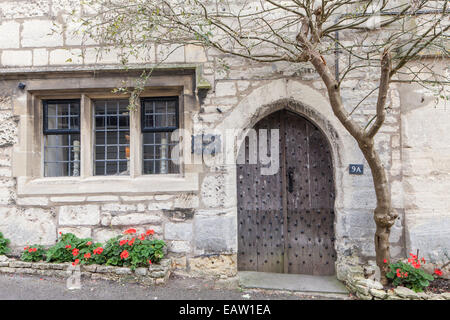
(88, 85)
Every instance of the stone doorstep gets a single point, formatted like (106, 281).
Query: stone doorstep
(155, 274)
(301, 283)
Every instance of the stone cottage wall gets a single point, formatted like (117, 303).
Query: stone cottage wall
(201, 225)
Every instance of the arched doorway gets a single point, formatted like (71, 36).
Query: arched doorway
(285, 220)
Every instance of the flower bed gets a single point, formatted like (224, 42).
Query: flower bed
(361, 281)
(154, 274)
(130, 255)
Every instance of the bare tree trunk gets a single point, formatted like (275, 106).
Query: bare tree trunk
(384, 215)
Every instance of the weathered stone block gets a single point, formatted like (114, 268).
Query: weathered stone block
(102, 198)
(370, 283)
(215, 234)
(195, 53)
(16, 58)
(213, 191)
(406, 293)
(32, 225)
(363, 296)
(80, 232)
(378, 293)
(186, 201)
(40, 57)
(58, 266)
(122, 271)
(32, 201)
(225, 88)
(89, 268)
(116, 207)
(7, 270)
(26, 271)
(179, 246)
(41, 265)
(158, 274)
(20, 264)
(163, 197)
(140, 271)
(105, 269)
(68, 199)
(38, 33)
(362, 289)
(79, 215)
(136, 198)
(213, 265)
(160, 206)
(104, 234)
(135, 219)
(179, 263)
(178, 231)
(9, 35)
(65, 57)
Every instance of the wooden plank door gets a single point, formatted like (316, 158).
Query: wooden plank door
(310, 199)
(260, 211)
(285, 220)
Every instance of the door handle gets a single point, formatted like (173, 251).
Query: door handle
(291, 180)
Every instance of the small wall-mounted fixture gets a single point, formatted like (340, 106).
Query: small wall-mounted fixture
(21, 85)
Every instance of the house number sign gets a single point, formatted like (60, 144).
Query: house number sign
(356, 169)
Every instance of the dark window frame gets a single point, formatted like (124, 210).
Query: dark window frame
(107, 145)
(160, 129)
(65, 132)
(60, 131)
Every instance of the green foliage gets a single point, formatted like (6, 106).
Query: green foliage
(409, 275)
(68, 248)
(134, 252)
(33, 253)
(4, 245)
(127, 250)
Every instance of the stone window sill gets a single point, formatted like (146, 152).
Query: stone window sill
(107, 184)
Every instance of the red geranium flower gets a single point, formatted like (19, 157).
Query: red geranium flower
(76, 262)
(150, 232)
(122, 242)
(87, 255)
(413, 256)
(34, 249)
(149, 261)
(124, 254)
(75, 252)
(142, 236)
(68, 246)
(89, 243)
(131, 242)
(99, 250)
(26, 248)
(385, 260)
(30, 250)
(423, 260)
(130, 231)
(438, 272)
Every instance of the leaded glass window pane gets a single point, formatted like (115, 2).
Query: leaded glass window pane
(61, 138)
(112, 137)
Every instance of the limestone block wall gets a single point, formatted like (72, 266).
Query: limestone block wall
(203, 222)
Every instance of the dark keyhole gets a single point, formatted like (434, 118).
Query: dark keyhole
(291, 180)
